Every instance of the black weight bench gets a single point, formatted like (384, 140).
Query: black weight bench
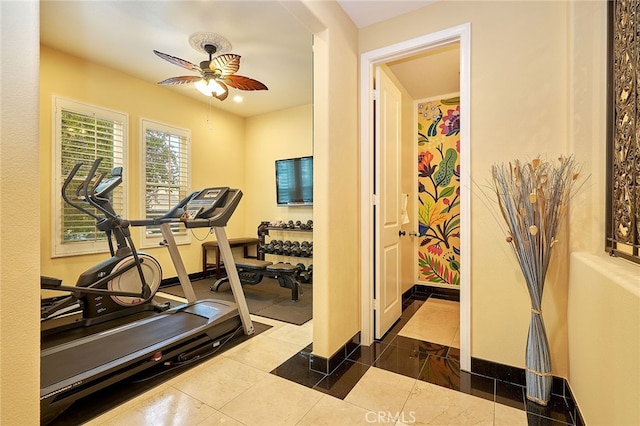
(251, 272)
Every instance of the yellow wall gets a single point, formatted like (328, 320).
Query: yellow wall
(19, 215)
(269, 137)
(537, 69)
(217, 148)
(518, 109)
(603, 313)
(336, 287)
(282, 134)
(604, 319)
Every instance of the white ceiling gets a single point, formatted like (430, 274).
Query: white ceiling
(367, 12)
(275, 47)
(431, 73)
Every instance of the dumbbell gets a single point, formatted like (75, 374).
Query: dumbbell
(271, 247)
(286, 247)
(308, 225)
(298, 224)
(295, 248)
(305, 248)
(300, 268)
(303, 275)
(277, 247)
(307, 275)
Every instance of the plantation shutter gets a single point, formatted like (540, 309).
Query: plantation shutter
(166, 168)
(84, 133)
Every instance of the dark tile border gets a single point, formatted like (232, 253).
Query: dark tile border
(423, 292)
(344, 378)
(505, 373)
(440, 365)
(561, 409)
(328, 365)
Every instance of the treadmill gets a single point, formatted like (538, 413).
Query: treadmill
(84, 363)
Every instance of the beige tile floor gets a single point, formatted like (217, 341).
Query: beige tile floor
(236, 388)
(436, 321)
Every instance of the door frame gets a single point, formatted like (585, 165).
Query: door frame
(368, 60)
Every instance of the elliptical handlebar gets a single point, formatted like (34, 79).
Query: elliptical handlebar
(89, 192)
(66, 184)
(86, 191)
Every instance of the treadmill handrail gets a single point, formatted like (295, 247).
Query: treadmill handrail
(221, 215)
(174, 213)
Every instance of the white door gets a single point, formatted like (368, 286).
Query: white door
(388, 294)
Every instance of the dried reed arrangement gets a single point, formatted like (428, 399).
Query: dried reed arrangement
(533, 197)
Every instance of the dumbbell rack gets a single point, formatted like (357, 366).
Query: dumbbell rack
(277, 247)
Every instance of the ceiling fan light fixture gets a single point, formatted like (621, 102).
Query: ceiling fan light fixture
(209, 88)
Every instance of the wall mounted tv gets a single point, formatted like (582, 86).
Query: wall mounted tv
(294, 181)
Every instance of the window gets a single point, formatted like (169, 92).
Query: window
(623, 136)
(83, 133)
(166, 175)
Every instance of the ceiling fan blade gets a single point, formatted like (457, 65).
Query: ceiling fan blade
(243, 83)
(179, 62)
(224, 94)
(224, 65)
(186, 79)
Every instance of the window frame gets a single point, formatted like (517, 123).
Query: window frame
(182, 237)
(60, 248)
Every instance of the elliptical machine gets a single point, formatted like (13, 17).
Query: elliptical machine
(121, 285)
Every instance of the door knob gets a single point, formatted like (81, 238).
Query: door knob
(402, 233)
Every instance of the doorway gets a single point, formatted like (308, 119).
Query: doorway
(369, 60)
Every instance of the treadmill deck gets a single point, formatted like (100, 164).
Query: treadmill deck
(69, 365)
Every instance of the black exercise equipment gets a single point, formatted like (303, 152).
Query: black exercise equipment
(295, 249)
(304, 274)
(306, 249)
(306, 226)
(251, 272)
(119, 286)
(77, 362)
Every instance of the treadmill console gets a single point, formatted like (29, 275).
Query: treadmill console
(205, 202)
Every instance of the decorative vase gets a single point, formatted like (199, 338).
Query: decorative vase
(533, 196)
(538, 373)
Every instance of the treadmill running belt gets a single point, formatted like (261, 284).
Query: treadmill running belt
(77, 359)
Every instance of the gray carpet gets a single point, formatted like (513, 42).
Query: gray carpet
(266, 299)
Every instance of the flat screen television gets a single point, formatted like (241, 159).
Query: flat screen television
(294, 181)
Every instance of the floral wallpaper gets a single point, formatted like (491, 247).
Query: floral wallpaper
(439, 191)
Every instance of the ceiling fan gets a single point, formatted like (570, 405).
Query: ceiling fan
(215, 74)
